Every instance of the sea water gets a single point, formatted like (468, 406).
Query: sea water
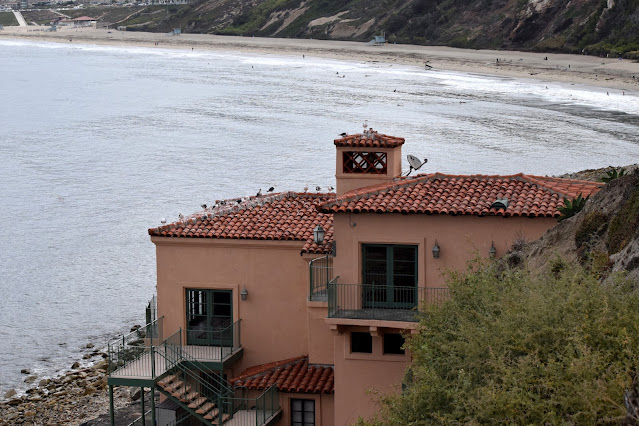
(98, 143)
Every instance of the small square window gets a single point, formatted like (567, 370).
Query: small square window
(361, 342)
(393, 343)
(302, 412)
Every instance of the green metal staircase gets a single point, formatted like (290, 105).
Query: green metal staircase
(172, 369)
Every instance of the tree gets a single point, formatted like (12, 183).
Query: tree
(515, 347)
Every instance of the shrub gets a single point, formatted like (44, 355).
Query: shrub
(624, 225)
(516, 348)
(572, 207)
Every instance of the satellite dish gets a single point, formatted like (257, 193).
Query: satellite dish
(414, 162)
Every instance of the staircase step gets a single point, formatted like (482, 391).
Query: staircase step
(181, 391)
(201, 400)
(168, 379)
(174, 385)
(211, 414)
(192, 396)
(205, 408)
(225, 417)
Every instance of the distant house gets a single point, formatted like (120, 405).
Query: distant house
(378, 40)
(288, 308)
(82, 21)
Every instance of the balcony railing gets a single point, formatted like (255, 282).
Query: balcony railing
(321, 273)
(380, 302)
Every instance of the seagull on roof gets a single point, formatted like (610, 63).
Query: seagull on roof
(259, 192)
(203, 206)
(306, 188)
(343, 134)
(330, 188)
(181, 216)
(271, 189)
(318, 188)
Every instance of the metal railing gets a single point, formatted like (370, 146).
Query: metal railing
(131, 349)
(144, 420)
(380, 302)
(152, 310)
(216, 345)
(255, 411)
(321, 273)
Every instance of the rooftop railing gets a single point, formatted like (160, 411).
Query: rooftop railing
(380, 302)
(129, 350)
(321, 273)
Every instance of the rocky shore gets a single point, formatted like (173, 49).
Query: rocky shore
(78, 397)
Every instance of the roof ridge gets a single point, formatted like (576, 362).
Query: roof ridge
(266, 368)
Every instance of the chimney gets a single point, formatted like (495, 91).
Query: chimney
(366, 159)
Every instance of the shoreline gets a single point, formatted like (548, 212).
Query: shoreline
(592, 71)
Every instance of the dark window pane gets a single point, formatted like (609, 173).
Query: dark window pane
(393, 343)
(361, 342)
(222, 297)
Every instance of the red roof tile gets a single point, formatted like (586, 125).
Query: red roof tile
(286, 216)
(290, 375)
(534, 196)
(369, 139)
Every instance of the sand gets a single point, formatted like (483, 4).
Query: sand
(611, 73)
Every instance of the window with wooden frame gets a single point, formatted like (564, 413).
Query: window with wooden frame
(365, 162)
(302, 412)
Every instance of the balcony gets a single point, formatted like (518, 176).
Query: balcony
(321, 273)
(380, 302)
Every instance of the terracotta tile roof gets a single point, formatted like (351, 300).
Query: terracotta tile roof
(534, 196)
(290, 375)
(285, 216)
(369, 139)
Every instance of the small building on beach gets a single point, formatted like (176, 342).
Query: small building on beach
(288, 308)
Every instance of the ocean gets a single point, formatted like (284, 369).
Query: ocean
(99, 143)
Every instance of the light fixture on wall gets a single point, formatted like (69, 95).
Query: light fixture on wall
(244, 294)
(318, 234)
(492, 252)
(436, 250)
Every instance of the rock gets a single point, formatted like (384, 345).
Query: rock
(89, 390)
(15, 401)
(30, 379)
(12, 416)
(102, 365)
(44, 382)
(25, 371)
(87, 356)
(75, 365)
(135, 327)
(89, 345)
(135, 394)
(10, 393)
(29, 414)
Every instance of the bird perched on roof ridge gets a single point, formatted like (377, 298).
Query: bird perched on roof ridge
(343, 134)
(203, 206)
(306, 188)
(271, 189)
(318, 188)
(330, 188)
(259, 192)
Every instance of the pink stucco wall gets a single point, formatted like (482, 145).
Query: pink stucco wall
(274, 316)
(346, 182)
(460, 239)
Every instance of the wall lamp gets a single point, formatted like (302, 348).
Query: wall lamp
(492, 252)
(318, 234)
(436, 250)
(244, 294)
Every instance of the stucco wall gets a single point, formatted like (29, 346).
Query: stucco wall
(360, 379)
(274, 317)
(460, 238)
(323, 407)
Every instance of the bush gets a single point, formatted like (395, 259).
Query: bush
(624, 225)
(515, 348)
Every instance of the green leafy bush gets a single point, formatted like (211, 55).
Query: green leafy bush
(624, 225)
(517, 348)
(613, 174)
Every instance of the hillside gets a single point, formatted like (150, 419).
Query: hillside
(590, 26)
(603, 237)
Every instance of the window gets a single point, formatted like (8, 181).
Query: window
(302, 412)
(393, 343)
(361, 342)
(364, 162)
(389, 276)
(209, 316)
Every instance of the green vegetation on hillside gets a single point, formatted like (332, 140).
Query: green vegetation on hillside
(8, 19)
(513, 347)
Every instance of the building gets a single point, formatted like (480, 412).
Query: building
(288, 308)
(82, 21)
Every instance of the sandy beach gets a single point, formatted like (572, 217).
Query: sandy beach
(579, 69)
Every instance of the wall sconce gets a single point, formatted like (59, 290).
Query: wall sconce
(492, 252)
(244, 294)
(436, 250)
(318, 234)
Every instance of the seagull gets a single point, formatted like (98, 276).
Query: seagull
(330, 189)
(318, 188)
(239, 200)
(203, 206)
(181, 216)
(163, 221)
(271, 189)
(223, 202)
(259, 192)
(306, 188)
(343, 134)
